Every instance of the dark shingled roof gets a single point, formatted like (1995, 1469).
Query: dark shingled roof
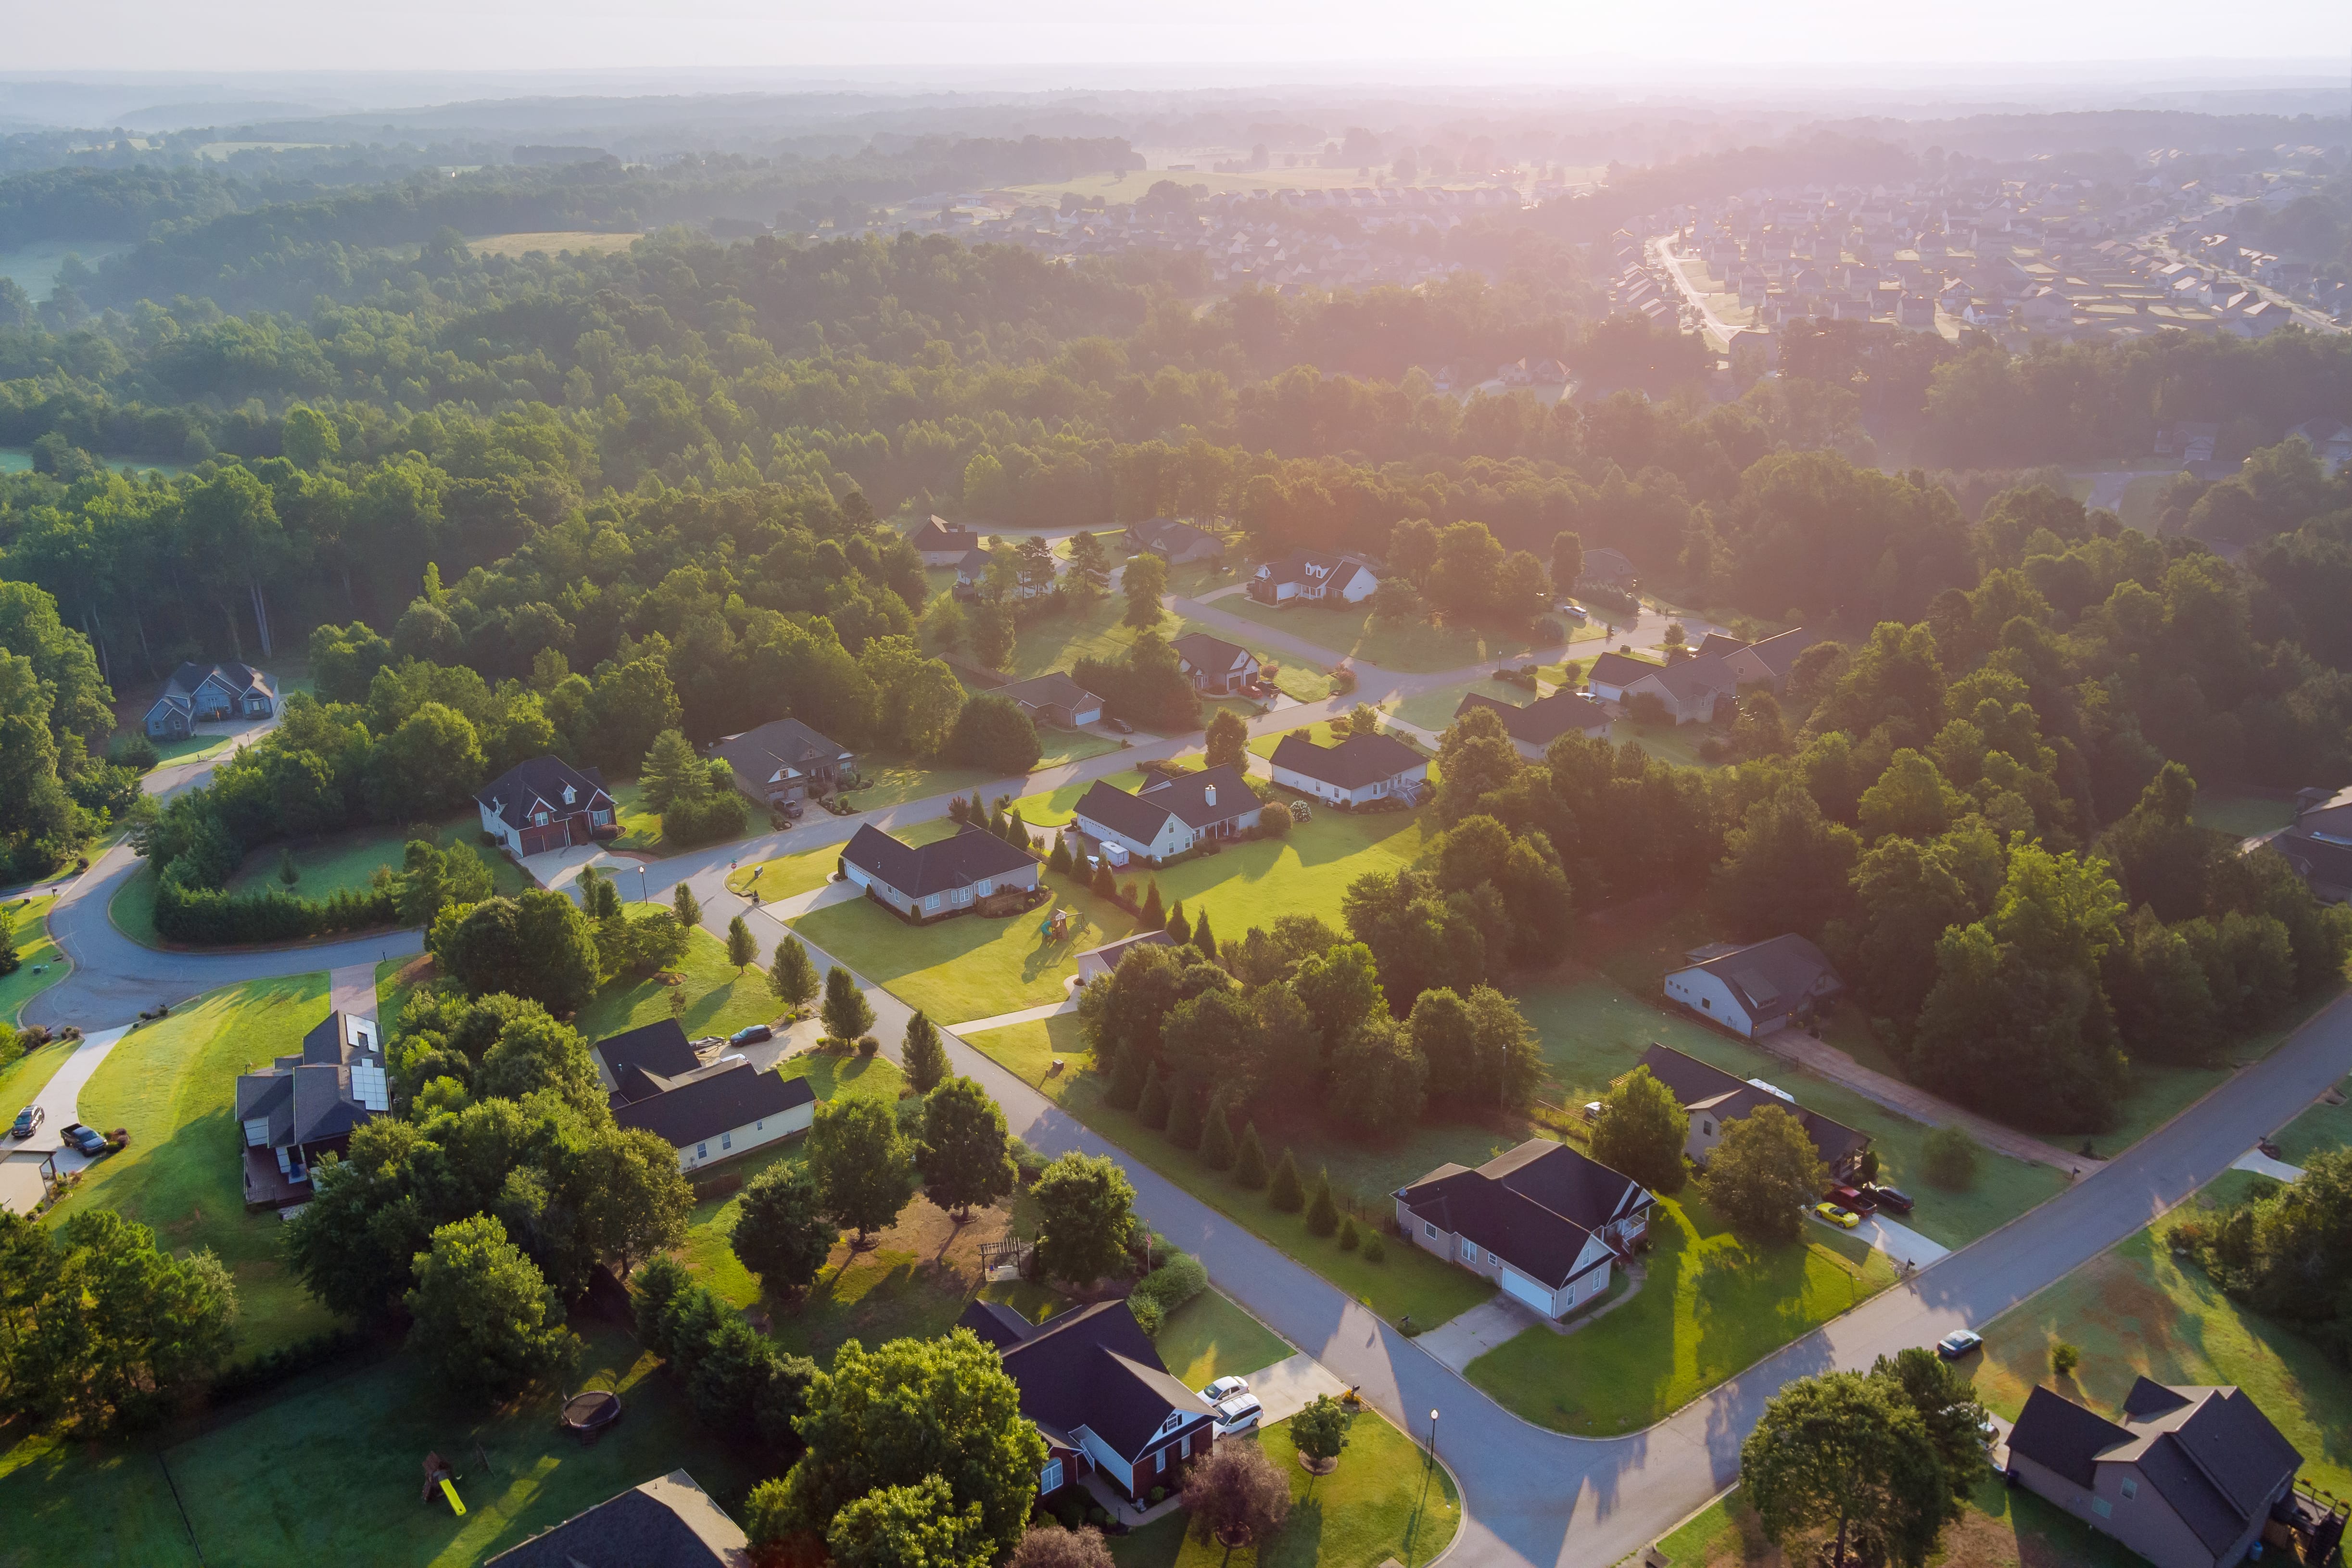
(759, 755)
(667, 1523)
(1358, 760)
(1772, 977)
(2062, 1436)
(1696, 1084)
(310, 1097)
(513, 792)
(647, 1055)
(1092, 1367)
(1216, 655)
(919, 870)
(1545, 720)
(1142, 816)
(1053, 687)
(708, 1102)
(1620, 669)
(1534, 1206)
(939, 534)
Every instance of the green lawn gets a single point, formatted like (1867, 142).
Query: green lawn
(1433, 709)
(1057, 641)
(1351, 633)
(173, 1086)
(132, 908)
(349, 861)
(2136, 1309)
(1385, 1500)
(2240, 816)
(1054, 809)
(26, 1076)
(788, 875)
(719, 999)
(39, 963)
(894, 781)
(1208, 1338)
(113, 1502)
(2004, 1527)
(1593, 1031)
(1711, 1307)
(1675, 744)
(2324, 1126)
(640, 828)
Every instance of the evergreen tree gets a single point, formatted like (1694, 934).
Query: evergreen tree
(1127, 1076)
(1287, 1193)
(1217, 1140)
(1185, 1119)
(742, 948)
(1204, 939)
(288, 872)
(791, 973)
(1249, 1163)
(923, 1054)
(1155, 914)
(1322, 1213)
(1180, 930)
(1016, 832)
(1103, 885)
(1152, 1112)
(1060, 860)
(686, 906)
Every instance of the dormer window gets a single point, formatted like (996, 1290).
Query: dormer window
(569, 795)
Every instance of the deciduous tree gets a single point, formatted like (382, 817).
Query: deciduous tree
(963, 1153)
(1641, 1133)
(1087, 1206)
(782, 1232)
(1764, 1176)
(864, 1170)
(485, 1318)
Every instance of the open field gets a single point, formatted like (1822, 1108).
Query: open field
(719, 999)
(39, 964)
(1351, 633)
(2322, 1126)
(35, 264)
(173, 1086)
(2138, 1310)
(1385, 1500)
(1711, 1307)
(348, 861)
(555, 243)
(894, 781)
(2004, 1527)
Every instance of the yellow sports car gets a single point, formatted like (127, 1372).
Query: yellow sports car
(1844, 1219)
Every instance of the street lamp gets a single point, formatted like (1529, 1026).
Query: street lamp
(1433, 1437)
(643, 895)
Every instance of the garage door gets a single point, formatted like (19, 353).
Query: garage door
(1525, 1289)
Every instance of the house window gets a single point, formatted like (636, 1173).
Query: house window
(701, 1151)
(727, 1139)
(760, 1125)
(931, 901)
(1470, 1249)
(1708, 1128)
(1159, 1460)
(2102, 1508)
(539, 818)
(1707, 1003)
(1427, 1228)
(1570, 1301)
(2131, 1489)
(1050, 1478)
(1184, 1446)
(600, 818)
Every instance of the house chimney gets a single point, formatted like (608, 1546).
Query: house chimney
(1210, 794)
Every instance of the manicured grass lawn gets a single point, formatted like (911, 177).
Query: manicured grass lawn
(1303, 681)
(894, 781)
(349, 861)
(804, 873)
(2003, 1527)
(640, 828)
(2136, 1309)
(1208, 1338)
(132, 908)
(112, 1502)
(173, 1086)
(26, 1076)
(329, 1474)
(29, 931)
(1675, 744)
(1433, 709)
(2240, 816)
(1304, 872)
(2322, 1126)
(719, 999)
(1384, 1500)
(1352, 633)
(1712, 1307)
(1592, 1031)
(1054, 809)
(396, 979)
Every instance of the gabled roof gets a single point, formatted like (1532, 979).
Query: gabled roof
(1606, 565)
(1358, 760)
(514, 794)
(333, 1085)
(1052, 689)
(1545, 720)
(1621, 669)
(1772, 977)
(1113, 954)
(1720, 643)
(1698, 1085)
(939, 534)
(1170, 534)
(668, 1520)
(1093, 1367)
(640, 1060)
(707, 1101)
(1534, 1206)
(972, 855)
(1691, 678)
(1142, 816)
(239, 680)
(1771, 659)
(765, 754)
(1311, 566)
(1202, 651)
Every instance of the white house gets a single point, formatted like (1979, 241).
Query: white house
(1312, 577)
(1755, 989)
(1533, 728)
(932, 881)
(1690, 689)
(1169, 815)
(707, 1112)
(1544, 1222)
(1358, 770)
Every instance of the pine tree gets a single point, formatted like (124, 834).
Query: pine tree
(1060, 860)
(1350, 1236)
(1126, 1091)
(1105, 886)
(743, 947)
(288, 872)
(1287, 1193)
(975, 812)
(686, 906)
(791, 973)
(1153, 1109)
(996, 823)
(1180, 930)
(923, 1054)
(1217, 1140)
(1204, 938)
(1322, 1214)
(1185, 1119)
(1016, 832)
(1155, 914)
(1249, 1164)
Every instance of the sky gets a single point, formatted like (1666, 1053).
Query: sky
(1530, 40)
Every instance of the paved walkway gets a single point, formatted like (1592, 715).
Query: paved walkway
(1026, 1016)
(20, 1180)
(2262, 1164)
(1824, 1061)
(1900, 1242)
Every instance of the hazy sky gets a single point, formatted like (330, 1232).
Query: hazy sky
(1525, 38)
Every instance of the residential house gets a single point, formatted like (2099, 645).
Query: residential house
(940, 544)
(305, 1106)
(547, 803)
(2319, 843)
(975, 869)
(1098, 962)
(1215, 666)
(1054, 699)
(1096, 1390)
(784, 761)
(1714, 1100)
(1608, 568)
(1357, 771)
(708, 1111)
(1538, 724)
(668, 1520)
(1766, 662)
(2186, 1478)
(1543, 1221)
(2330, 440)
(1755, 989)
(198, 693)
(1690, 689)
(1175, 543)
(1170, 815)
(1312, 577)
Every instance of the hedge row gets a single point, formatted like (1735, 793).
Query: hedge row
(215, 915)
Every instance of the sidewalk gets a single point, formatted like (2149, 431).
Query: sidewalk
(1026, 1016)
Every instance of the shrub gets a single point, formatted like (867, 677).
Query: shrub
(2064, 1358)
(1350, 1237)
(1322, 1214)
(132, 751)
(1287, 1193)
(1951, 1158)
(1147, 1315)
(1217, 1140)
(867, 1045)
(1375, 1249)
(1176, 1281)
(1184, 1121)
(1249, 1162)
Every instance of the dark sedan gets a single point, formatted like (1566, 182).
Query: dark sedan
(752, 1035)
(1889, 1198)
(28, 1122)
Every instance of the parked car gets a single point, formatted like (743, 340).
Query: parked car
(1239, 1414)
(1957, 1343)
(752, 1035)
(1575, 612)
(1225, 1389)
(1858, 1199)
(1830, 1213)
(28, 1122)
(88, 1139)
(1890, 1199)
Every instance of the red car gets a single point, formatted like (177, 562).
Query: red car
(1853, 1198)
